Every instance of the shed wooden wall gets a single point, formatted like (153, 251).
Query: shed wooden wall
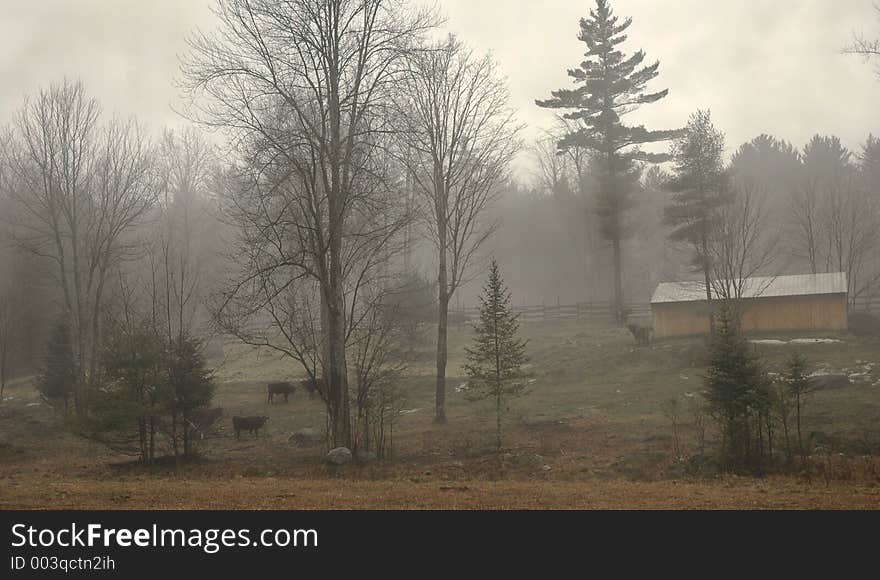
(790, 313)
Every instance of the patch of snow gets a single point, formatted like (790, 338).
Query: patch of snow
(816, 341)
(768, 341)
(409, 411)
(33, 405)
(462, 387)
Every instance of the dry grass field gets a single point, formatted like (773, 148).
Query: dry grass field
(591, 434)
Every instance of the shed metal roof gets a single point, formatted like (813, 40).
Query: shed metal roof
(765, 287)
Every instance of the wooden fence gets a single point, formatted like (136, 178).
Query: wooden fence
(593, 311)
(597, 311)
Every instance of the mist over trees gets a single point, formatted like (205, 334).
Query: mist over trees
(348, 169)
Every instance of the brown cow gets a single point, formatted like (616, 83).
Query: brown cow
(250, 424)
(283, 388)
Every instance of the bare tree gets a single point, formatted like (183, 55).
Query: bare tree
(864, 46)
(806, 218)
(80, 189)
(852, 234)
(188, 167)
(302, 85)
(379, 359)
(461, 135)
(554, 167)
(740, 249)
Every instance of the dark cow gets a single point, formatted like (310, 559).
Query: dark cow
(284, 388)
(312, 386)
(250, 424)
(642, 334)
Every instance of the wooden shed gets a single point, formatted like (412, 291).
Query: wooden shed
(778, 304)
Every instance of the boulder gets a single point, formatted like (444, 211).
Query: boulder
(339, 456)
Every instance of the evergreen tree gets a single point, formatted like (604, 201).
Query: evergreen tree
(826, 161)
(192, 386)
(737, 391)
(700, 187)
(869, 165)
(769, 164)
(57, 381)
(611, 84)
(494, 364)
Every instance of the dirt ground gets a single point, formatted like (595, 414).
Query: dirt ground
(591, 434)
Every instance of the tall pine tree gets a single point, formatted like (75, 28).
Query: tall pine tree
(494, 364)
(700, 187)
(610, 84)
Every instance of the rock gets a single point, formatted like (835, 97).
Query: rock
(546, 468)
(306, 436)
(339, 456)
(829, 381)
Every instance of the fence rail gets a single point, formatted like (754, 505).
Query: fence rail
(602, 310)
(537, 312)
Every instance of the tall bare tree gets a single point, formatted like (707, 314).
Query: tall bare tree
(461, 135)
(741, 248)
(852, 234)
(302, 87)
(80, 188)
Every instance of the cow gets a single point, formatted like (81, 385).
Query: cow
(250, 424)
(283, 388)
(312, 386)
(642, 334)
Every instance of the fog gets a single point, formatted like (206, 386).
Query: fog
(207, 204)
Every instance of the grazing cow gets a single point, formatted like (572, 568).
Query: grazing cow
(312, 386)
(250, 424)
(642, 334)
(284, 388)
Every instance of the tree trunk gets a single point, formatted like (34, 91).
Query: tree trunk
(618, 281)
(498, 421)
(440, 211)
(442, 355)
(800, 439)
(707, 279)
(3, 357)
(337, 373)
(152, 438)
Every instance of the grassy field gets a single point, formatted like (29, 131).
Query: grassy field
(591, 434)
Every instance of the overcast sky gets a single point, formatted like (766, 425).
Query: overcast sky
(770, 66)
